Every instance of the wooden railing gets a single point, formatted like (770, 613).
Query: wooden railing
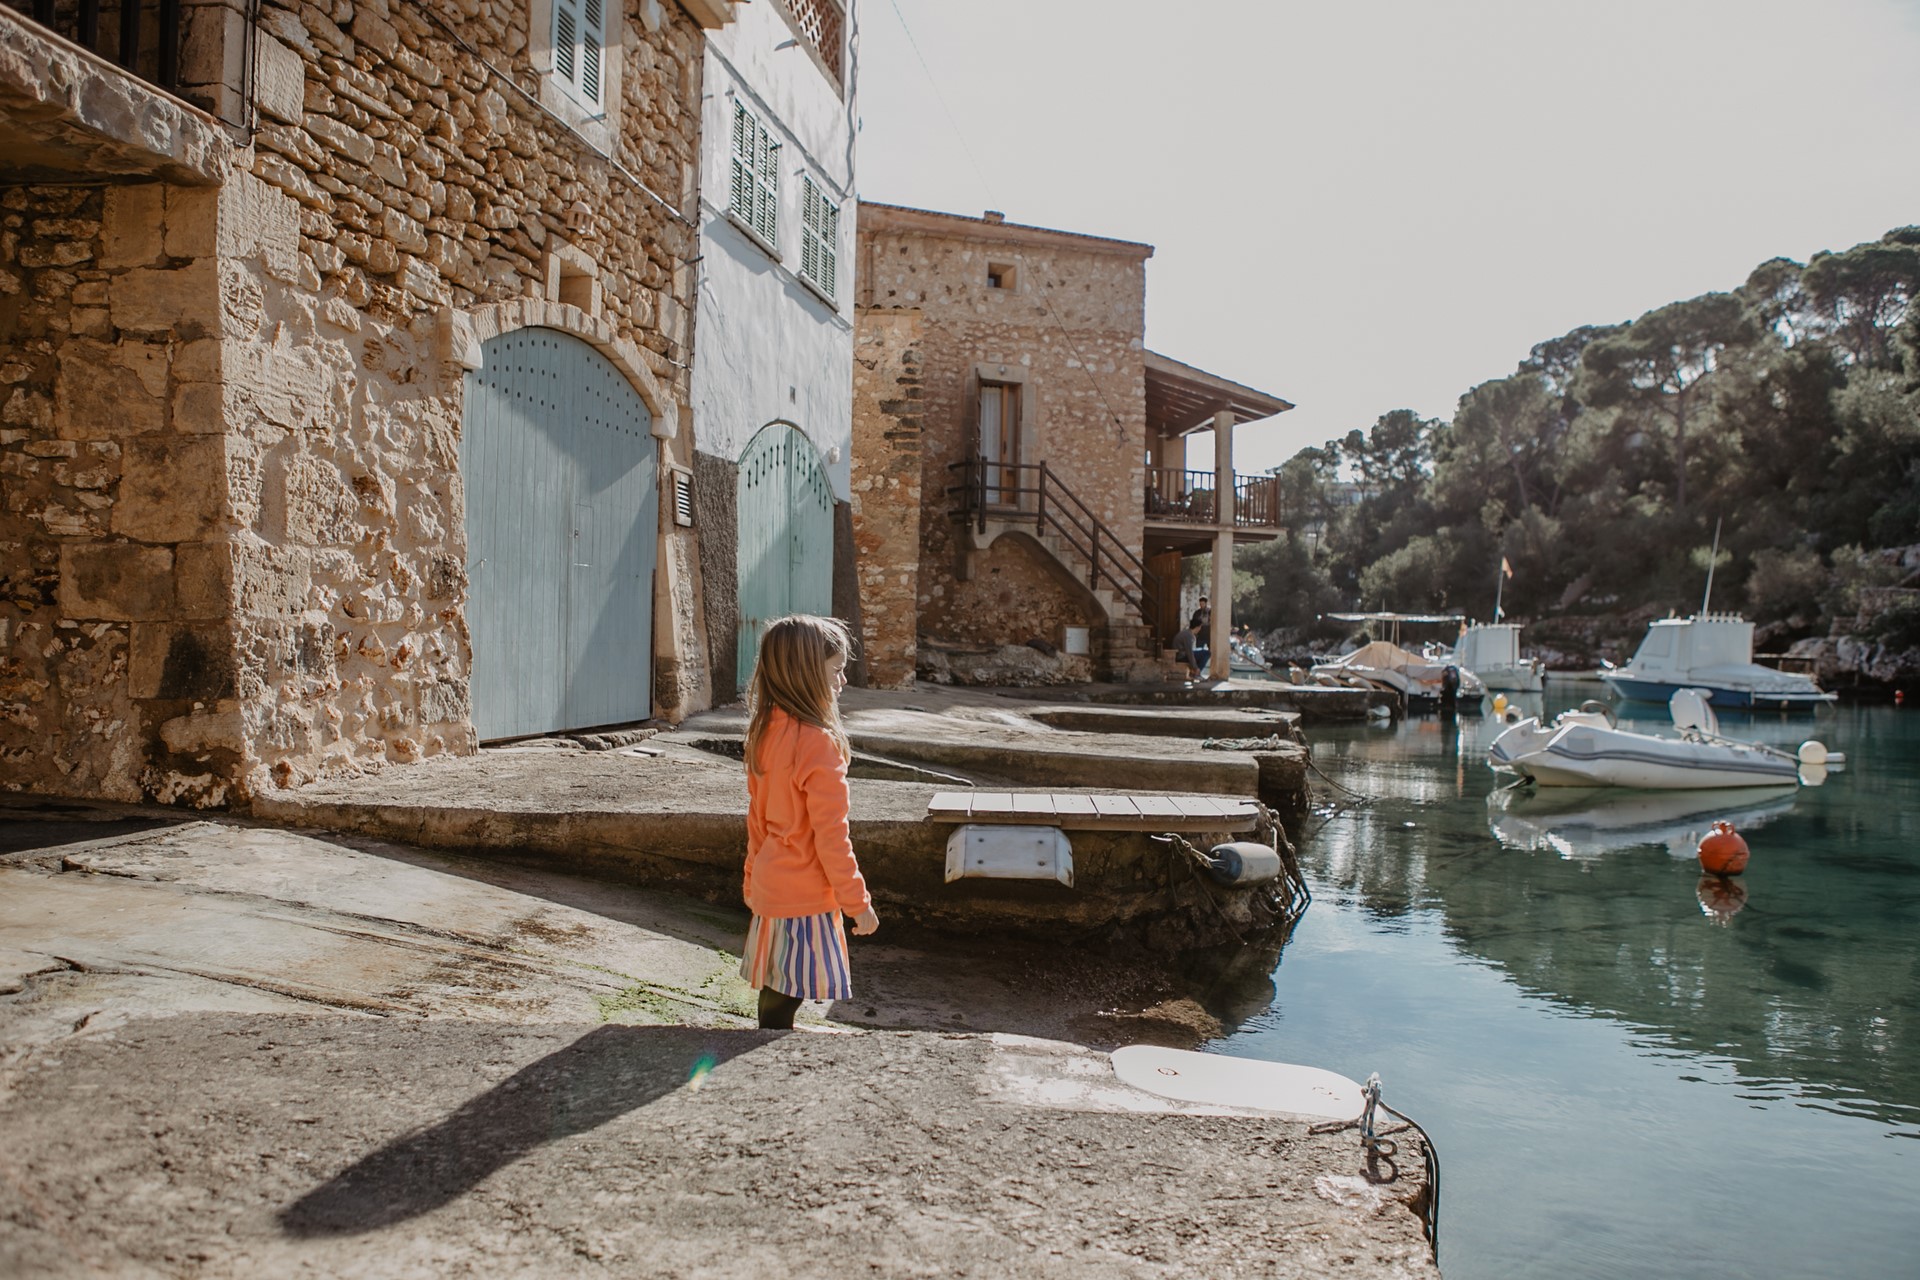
(1031, 491)
(1178, 496)
(142, 36)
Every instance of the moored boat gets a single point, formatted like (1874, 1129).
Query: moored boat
(1491, 650)
(1714, 652)
(1586, 748)
(1423, 682)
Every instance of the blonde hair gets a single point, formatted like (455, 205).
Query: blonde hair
(792, 674)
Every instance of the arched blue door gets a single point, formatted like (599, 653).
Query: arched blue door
(786, 536)
(558, 456)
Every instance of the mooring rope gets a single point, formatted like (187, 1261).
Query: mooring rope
(1381, 1149)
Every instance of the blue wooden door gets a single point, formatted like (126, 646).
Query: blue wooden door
(786, 536)
(558, 456)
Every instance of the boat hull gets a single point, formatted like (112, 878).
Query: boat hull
(1510, 679)
(1641, 690)
(1584, 754)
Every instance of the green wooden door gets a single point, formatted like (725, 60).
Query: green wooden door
(786, 536)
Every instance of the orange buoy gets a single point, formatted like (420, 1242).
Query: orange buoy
(1723, 852)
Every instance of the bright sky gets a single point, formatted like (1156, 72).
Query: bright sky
(1369, 206)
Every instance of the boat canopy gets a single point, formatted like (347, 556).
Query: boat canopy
(1707, 640)
(1489, 644)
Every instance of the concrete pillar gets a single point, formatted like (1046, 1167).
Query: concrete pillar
(1220, 665)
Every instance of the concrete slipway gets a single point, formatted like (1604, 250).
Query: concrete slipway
(233, 1051)
(669, 811)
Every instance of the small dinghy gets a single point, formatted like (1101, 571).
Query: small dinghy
(1586, 748)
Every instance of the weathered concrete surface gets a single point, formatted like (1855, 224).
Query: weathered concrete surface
(1313, 702)
(112, 914)
(235, 1145)
(227, 1051)
(675, 819)
(1174, 722)
(991, 745)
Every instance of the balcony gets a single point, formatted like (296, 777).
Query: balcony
(92, 91)
(1179, 497)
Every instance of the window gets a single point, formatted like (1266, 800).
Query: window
(579, 47)
(756, 177)
(1000, 441)
(819, 22)
(1001, 275)
(819, 237)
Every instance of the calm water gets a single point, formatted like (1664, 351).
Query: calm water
(1619, 1083)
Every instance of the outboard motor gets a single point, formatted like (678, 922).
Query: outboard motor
(1450, 687)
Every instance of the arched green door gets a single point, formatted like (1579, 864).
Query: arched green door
(558, 456)
(786, 536)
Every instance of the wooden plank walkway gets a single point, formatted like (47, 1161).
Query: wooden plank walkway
(1082, 812)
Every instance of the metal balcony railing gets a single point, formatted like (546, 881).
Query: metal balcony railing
(142, 36)
(1178, 496)
(1032, 492)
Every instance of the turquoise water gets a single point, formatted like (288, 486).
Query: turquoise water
(1626, 1072)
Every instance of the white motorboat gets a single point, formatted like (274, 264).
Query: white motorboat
(1711, 651)
(1491, 650)
(1247, 660)
(1384, 665)
(1586, 748)
(1581, 824)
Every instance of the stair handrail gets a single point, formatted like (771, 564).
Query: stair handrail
(1106, 556)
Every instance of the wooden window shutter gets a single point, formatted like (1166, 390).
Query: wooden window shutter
(593, 42)
(743, 162)
(766, 214)
(829, 244)
(819, 236)
(566, 40)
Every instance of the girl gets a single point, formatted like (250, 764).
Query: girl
(801, 875)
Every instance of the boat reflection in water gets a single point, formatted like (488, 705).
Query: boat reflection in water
(1580, 823)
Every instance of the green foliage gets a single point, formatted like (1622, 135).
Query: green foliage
(1786, 584)
(1789, 407)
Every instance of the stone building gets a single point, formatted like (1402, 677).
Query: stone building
(344, 364)
(772, 389)
(1019, 478)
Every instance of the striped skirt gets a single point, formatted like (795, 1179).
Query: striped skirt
(805, 956)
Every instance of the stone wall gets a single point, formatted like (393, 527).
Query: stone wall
(112, 494)
(1068, 321)
(231, 514)
(887, 490)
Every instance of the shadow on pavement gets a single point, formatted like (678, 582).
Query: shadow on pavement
(599, 1077)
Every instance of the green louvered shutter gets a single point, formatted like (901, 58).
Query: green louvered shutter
(744, 132)
(766, 211)
(819, 237)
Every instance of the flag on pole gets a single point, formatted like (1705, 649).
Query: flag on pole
(1505, 567)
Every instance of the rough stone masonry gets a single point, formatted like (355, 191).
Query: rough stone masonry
(232, 553)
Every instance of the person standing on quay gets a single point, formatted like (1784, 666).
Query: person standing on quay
(800, 875)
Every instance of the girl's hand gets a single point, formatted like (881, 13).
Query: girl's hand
(865, 923)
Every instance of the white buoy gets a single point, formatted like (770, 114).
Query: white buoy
(1812, 752)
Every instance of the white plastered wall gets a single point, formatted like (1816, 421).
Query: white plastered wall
(769, 347)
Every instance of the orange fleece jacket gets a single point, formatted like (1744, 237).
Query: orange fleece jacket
(799, 856)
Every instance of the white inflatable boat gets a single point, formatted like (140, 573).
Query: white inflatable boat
(1585, 748)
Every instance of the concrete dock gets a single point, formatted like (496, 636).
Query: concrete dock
(227, 1050)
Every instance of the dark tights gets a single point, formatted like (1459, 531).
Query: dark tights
(777, 1010)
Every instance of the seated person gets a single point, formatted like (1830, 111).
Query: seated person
(1186, 649)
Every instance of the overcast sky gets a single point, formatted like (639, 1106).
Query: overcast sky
(1371, 206)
